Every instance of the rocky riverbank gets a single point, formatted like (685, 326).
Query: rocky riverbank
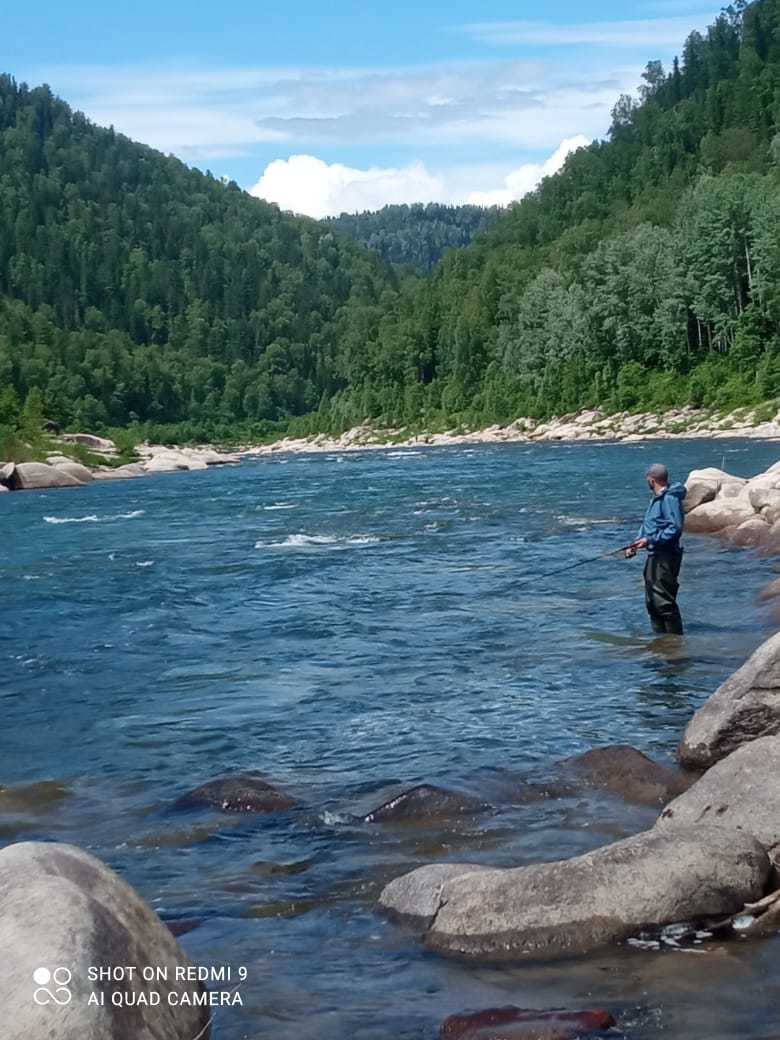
(589, 425)
(63, 470)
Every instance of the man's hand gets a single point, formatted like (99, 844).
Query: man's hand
(633, 549)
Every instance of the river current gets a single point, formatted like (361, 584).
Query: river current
(349, 625)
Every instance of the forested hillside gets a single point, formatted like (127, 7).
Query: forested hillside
(134, 288)
(417, 235)
(646, 273)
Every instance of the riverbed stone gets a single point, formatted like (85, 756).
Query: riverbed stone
(423, 803)
(6, 472)
(61, 908)
(746, 706)
(571, 907)
(128, 471)
(237, 793)
(30, 476)
(415, 897)
(101, 445)
(623, 771)
(741, 793)
(514, 1023)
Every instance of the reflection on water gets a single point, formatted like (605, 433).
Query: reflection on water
(350, 630)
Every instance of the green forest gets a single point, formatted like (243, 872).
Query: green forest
(417, 235)
(135, 291)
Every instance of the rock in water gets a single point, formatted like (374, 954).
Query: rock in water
(741, 793)
(513, 1023)
(422, 804)
(627, 773)
(567, 908)
(415, 897)
(745, 707)
(241, 793)
(62, 909)
(29, 476)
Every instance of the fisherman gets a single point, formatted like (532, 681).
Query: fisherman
(660, 535)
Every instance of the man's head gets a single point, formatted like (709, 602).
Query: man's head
(657, 477)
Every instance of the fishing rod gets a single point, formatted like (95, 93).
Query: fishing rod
(579, 563)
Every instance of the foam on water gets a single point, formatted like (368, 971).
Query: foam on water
(93, 518)
(315, 541)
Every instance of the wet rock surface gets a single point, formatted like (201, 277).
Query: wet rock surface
(623, 771)
(239, 793)
(514, 1023)
(743, 708)
(424, 803)
(740, 793)
(570, 907)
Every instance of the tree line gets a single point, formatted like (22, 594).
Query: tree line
(646, 273)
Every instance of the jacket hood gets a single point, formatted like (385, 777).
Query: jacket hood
(678, 490)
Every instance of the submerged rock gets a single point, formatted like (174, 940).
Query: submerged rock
(570, 907)
(35, 797)
(741, 793)
(29, 476)
(423, 803)
(514, 1023)
(61, 912)
(625, 772)
(240, 793)
(745, 707)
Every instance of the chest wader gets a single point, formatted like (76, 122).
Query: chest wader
(662, 569)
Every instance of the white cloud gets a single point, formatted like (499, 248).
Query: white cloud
(635, 33)
(519, 182)
(306, 184)
(427, 109)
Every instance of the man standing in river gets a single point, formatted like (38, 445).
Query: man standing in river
(660, 535)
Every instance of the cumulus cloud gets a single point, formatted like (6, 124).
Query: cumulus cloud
(306, 184)
(519, 182)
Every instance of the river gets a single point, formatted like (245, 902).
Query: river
(350, 625)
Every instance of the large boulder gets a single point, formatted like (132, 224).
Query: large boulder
(239, 793)
(570, 907)
(751, 534)
(714, 516)
(7, 470)
(627, 773)
(415, 897)
(424, 803)
(132, 469)
(741, 792)
(763, 490)
(101, 445)
(745, 707)
(75, 469)
(63, 912)
(29, 476)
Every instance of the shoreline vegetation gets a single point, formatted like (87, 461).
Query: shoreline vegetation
(75, 459)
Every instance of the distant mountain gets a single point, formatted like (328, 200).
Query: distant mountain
(417, 235)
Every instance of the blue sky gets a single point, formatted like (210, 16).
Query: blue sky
(323, 106)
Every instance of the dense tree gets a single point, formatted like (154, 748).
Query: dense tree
(645, 273)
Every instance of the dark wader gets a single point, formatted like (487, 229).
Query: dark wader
(661, 586)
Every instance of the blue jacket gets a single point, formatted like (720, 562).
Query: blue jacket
(663, 522)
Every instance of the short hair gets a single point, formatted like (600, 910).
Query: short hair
(658, 472)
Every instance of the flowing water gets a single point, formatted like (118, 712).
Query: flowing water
(349, 625)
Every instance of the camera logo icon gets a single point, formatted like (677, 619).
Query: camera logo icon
(59, 980)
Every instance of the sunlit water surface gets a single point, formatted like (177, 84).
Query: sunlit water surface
(349, 625)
